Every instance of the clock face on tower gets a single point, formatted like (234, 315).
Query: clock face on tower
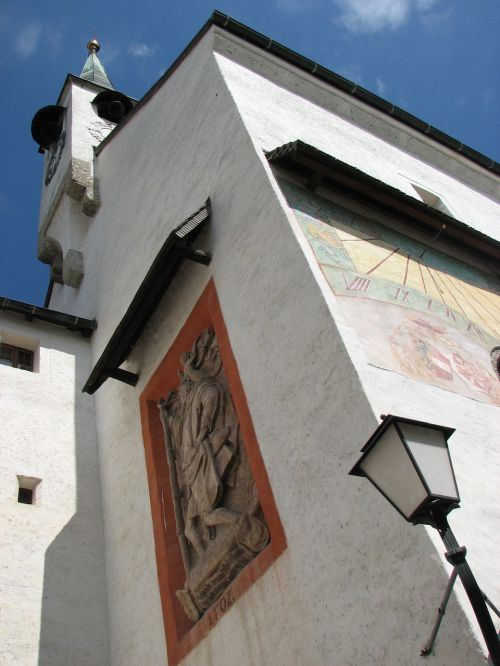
(56, 150)
(417, 310)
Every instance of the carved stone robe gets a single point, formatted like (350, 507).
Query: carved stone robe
(205, 450)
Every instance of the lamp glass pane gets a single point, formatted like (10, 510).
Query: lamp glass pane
(389, 467)
(430, 450)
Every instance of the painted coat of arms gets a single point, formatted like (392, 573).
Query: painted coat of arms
(219, 521)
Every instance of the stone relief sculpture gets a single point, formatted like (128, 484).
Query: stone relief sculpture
(220, 525)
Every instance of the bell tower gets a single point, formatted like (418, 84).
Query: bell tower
(88, 109)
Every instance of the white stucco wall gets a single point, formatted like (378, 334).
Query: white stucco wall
(52, 585)
(274, 111)
(473, 447)
(278, 104)
(354, 585)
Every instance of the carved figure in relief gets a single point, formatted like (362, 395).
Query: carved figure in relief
(219, 522)
(205, 452)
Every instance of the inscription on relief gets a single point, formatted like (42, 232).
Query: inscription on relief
(219, 521)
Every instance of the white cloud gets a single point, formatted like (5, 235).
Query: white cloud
(141, 50)
(27, 40)
(381, 86)
(362, 16)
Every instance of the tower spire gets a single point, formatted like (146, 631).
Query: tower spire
(93, 69)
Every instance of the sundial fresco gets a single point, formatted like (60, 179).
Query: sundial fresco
(416, 310)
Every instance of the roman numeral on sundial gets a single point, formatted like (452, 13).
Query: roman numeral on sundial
(357, 283)
(402, 295)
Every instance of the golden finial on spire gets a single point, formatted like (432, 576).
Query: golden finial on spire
(93, 46)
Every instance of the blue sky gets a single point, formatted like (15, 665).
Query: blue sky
(438, 59)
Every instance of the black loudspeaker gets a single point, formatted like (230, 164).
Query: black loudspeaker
(112, 105)
(46, 126)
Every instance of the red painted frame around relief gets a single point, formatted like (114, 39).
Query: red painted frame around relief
(182, 635)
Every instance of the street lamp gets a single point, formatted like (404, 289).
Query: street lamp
(409, 462)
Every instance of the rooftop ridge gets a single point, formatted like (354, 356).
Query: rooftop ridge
(255, 38)
(283, 52)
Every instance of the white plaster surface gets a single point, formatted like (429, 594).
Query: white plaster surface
(355, 585)
(52, 585)
(280, 104)
(274, 115)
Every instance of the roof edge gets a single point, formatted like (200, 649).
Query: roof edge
(255, 38)
(166, 75)
(84, 326)
(339, 82)
(304, 158)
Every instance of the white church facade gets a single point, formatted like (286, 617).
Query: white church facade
(249, 266)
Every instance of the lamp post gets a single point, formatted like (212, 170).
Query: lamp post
(409, 462)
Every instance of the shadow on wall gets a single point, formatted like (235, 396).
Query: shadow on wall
(74, 611)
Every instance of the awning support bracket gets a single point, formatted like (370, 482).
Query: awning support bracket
(130, 378)
(199, 256)
(176, 248)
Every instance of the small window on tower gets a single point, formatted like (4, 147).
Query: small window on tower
(16, 357)
(29, 490)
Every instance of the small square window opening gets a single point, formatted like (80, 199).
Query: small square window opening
(25, 496)
(29, 489)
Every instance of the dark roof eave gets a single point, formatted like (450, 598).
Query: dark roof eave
(339, 82)
(351, 88)
(84, 326)
(320, 168)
